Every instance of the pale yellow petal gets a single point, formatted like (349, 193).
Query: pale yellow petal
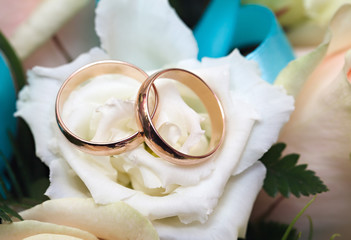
(294, 76)
(47, 18)
(47, 236)
(27, 228)
(113, 221)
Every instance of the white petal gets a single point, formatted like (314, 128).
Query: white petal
(95, 110)
(175, 112)
(146, 33)
(270, 107)
(64, 182)
(36, 101)
(230, 217)
(103, 186)
(273, 107)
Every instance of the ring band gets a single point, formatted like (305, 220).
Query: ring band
(83, 74)
(153, 138)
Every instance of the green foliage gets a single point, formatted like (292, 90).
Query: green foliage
(25, 177)
(24, 180)
(285, 176)
(263, 230)
(14, 63)
(270, 231)
(6, 213)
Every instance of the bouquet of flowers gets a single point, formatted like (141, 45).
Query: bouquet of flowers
(175, 119)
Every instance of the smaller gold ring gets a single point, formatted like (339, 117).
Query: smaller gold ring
(210, 101)
(83, 74)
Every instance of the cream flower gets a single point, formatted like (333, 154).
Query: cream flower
(320, 129)
(305, 21)
(207, 201)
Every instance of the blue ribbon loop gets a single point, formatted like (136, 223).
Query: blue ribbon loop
(8, 100)
(226, 25)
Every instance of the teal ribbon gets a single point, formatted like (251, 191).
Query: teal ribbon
(226, 25)
(8, 106)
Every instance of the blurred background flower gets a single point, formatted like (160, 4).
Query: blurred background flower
(44, 32)
(305, 21)
(320, 130)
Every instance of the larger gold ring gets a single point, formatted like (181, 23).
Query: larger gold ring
(83, 74)
(210, 101)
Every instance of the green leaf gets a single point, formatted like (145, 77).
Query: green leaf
(15, 64)
(4, 193)
(285, 176)
(310, 235)
(12, 176)
(6, 212)
(4, 217)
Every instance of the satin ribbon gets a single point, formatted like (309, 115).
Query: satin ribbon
(8, 100)
(226, 25)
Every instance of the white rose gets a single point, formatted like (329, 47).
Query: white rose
(207, 201)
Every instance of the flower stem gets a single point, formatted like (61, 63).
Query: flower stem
(291, 225)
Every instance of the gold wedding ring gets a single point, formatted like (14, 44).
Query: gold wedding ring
(151, 135)
(83, 74)
(145, 117)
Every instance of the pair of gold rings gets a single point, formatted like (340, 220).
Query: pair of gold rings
(146, 116)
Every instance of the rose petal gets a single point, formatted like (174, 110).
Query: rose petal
(50, 53)
(270, 106)
(320, 132)
(40, 26)
(15, 13)
(340, 30)
(229, 220)
(23, 229)
(104, 221)
(95, 110)
(293, 80)
(64, 182)
(322, 11)
(308, 33)
(47, 236)
(146, 33)
(180, 115)
(39, 98)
